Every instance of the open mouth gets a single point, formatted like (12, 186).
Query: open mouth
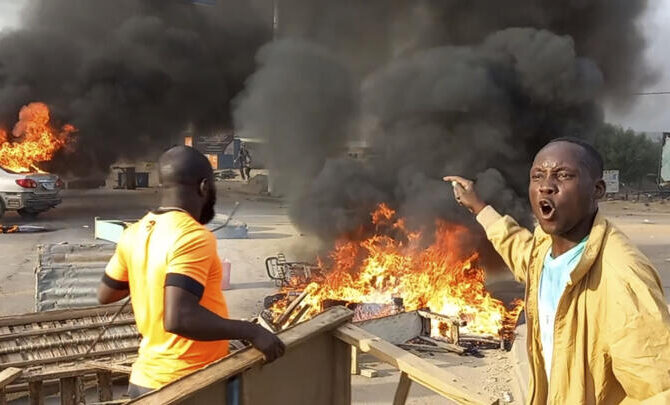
(547, 209)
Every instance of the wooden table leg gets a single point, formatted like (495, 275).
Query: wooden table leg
(36, 394)
(341, 373)
(355, 367)
(402, 391)
(105, 386)
(68, 391)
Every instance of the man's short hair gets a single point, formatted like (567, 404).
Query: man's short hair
(593, 158)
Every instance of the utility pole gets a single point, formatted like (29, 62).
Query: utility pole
(275, 19)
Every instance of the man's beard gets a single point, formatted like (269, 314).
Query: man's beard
(207, 213)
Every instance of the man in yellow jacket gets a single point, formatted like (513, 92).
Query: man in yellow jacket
(598, 324)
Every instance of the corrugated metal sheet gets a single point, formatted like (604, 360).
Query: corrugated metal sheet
(47, 342)
(67, 275)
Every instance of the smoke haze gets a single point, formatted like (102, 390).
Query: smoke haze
(129, 74)
(441, 87)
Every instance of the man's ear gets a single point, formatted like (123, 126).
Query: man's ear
(203, 187)
(600, 189)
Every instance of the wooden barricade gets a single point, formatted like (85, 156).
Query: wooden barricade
(316, 369)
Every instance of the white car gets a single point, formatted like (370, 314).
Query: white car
(28, 193)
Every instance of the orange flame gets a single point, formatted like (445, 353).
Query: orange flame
(33, 139)
(439, 277)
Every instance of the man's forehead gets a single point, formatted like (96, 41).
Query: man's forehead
(558, 154)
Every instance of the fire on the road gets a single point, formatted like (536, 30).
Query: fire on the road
(33, 140)
(394, 264)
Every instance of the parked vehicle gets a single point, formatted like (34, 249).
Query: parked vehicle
(28, 193)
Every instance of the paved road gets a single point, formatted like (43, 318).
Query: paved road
(270, 232)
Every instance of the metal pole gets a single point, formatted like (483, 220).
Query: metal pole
(275, 19)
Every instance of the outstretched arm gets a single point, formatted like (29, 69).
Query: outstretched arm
(512, 241)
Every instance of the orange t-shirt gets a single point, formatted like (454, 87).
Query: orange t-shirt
(149, 250)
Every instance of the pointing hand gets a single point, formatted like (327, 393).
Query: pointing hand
(464, 191)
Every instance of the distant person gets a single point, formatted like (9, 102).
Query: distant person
(244, 162)
(169, 265)
(598, 324)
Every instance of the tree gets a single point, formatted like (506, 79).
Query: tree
(633, 154)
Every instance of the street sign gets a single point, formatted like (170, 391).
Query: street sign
(214, 144)
(611, 178)
(665, 159)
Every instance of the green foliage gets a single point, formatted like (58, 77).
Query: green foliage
(633, 154)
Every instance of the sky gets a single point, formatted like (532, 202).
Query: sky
(652, 113)
(646, 114)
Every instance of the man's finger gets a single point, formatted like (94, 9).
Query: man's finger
(457, 179)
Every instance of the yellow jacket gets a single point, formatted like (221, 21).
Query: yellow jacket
(612, 328)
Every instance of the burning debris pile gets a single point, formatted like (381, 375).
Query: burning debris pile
(393, 271)
(34, 140)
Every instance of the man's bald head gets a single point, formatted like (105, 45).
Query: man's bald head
(187, 182)
(183, 165)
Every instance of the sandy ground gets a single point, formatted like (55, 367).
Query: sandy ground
(270, 232)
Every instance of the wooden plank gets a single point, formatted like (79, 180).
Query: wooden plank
(56, 342)
(299, 316)
(71, 357)
(68, 391)
(355, 366)
(104, 386)
(369, 372)
(59, 315)
(214, 394)
(3, 397)
(244, 359)
(54, 372)
(341, 373)
(311, 370)
(294, 304)
(396, 329)
(419, 370)
(51, 387)
(402, 392)
(69, 328)
(8, 375)
(111, 367)
(36, 394)
(442, 318)
(423, 348)
(448, 346)
(454, 334)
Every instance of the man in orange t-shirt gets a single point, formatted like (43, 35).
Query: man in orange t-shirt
(169, 265)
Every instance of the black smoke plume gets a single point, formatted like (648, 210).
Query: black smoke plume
(473, 88)
(129, 74)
